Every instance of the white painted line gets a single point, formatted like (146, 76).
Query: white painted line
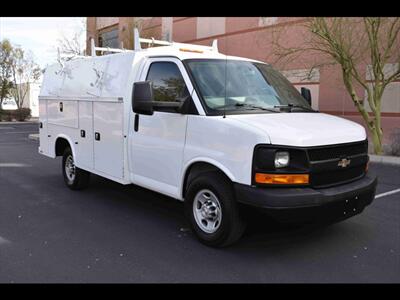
(12, 132)
(4, 241)
(387, 193)
(13, 165)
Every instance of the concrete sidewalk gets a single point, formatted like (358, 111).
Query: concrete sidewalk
(32, 121)
(392, 160)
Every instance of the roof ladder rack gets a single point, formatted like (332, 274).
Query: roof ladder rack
(105, 49)
(138, 40)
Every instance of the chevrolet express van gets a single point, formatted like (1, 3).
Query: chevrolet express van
(217, 132)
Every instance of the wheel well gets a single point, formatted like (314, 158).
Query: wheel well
(61, 145)
(197, 168)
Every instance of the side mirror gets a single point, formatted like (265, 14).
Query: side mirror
(306, 93)
(142, 98)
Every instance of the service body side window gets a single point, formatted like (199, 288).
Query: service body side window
(168, 83)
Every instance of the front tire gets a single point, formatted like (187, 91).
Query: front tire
(212, 211)
(74, 178)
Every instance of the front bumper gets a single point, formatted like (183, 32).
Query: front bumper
(301, 204)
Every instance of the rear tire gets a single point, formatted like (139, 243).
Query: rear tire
(212, 211)
(74, 178)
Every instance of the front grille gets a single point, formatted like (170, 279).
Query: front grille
(336, 176)
(327, 172)
(337, 151)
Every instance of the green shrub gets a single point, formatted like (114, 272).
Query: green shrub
(20, 114)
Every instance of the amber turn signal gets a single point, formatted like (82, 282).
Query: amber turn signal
(282, 178)
(190, 50)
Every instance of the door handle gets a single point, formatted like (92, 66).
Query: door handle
(61, 106)
(83, 133)
(97, 136)
(136, 126)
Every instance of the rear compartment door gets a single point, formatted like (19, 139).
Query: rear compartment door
(85, 135)
(43, 138)
(108, 138)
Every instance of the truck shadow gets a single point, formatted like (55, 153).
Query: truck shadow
(261, 233)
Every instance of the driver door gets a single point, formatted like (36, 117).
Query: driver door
(157, 141)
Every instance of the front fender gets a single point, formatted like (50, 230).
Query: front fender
(207, 160)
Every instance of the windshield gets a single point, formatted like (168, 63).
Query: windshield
(247, 86)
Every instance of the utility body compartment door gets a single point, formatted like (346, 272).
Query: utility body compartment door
(62, 112)
(108, 138)
(43, 138)
(85, 138)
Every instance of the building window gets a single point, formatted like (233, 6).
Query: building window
(308, 78)
(209, 26)
(391, 95)
(109, 39)
(266, 21)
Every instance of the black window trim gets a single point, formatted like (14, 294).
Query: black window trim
(191, 109)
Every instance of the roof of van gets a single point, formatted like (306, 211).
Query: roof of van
(185, 51)
(107, 76)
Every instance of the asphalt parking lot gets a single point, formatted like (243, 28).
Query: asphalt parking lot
(115, 233)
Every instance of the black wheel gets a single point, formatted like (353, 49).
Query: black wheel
(212, 210)
(75, 178)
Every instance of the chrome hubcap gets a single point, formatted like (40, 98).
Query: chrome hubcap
(207, 211)
(70, 168)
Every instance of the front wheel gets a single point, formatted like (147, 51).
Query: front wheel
(212, 210)
(74, 178)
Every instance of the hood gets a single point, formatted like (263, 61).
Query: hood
(304, 129)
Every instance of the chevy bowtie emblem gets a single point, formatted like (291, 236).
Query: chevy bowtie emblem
(344, 162)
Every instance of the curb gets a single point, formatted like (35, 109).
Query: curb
(34, 136)
(17, 122)
(392, 160)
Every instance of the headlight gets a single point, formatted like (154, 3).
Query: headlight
(281, 159)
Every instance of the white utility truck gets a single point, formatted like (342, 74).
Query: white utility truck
(217, 132)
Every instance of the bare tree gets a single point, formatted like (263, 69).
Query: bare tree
(24, 70)
(72, 46)
(351, 43)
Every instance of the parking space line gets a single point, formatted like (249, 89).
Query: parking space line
(15, 132)
(387, 193)
(4, 241)
(13, 165)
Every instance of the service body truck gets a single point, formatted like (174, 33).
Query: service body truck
(217, 132)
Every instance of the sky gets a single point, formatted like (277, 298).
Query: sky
(40, 34)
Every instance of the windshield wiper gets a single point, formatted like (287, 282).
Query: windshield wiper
(291, 105)
(251, 106)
